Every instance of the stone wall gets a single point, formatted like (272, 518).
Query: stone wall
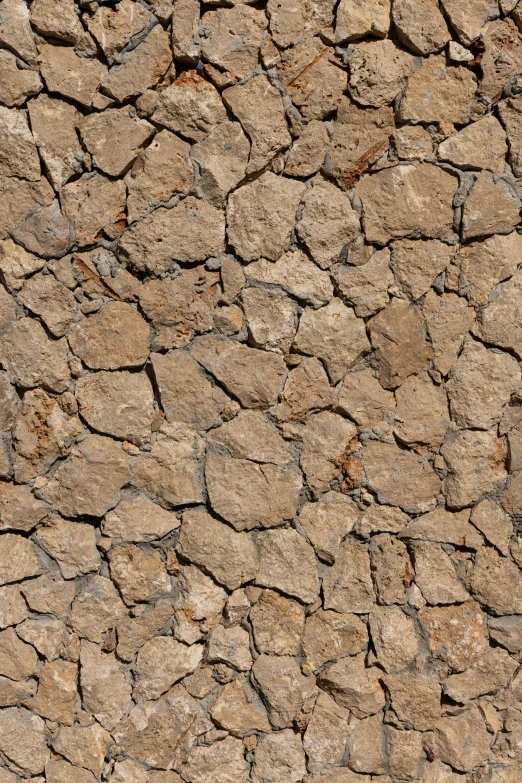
(260, 391)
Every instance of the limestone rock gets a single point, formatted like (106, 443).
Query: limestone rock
(13, 609)
(61, 771)
(239, 710)
(435, 575)
(18, 660)
(306, 388)
(488, 674)
(468, 22)
(400, 477)
(367, 286)
(489, 582)
(501, 57)
(363, 399)
(223, 760)
(438, 92)
(481, 145)
(327, 522)
(72, 544)
(354, 686)
(23, 740)
(139, 520)
(325, 739)
(485, 264)
(279, 754)
(233, 37)
(93, 205)
(394, 638)
(159, 172)
(391, 568)
(112, 27)
(89, 480)
(133, 632)
(45, 231)
(230, 646)
(56, 696)
(395, 202)
(462, 740)
(222, 158)
(199, 605)
(494, 524)
(47, 594)
(448, 318)
(296, 274)
(270, 318)
(503, 209)
(280, 551)
(16, 85)
(475, 462)
(45, 296)
(277, 624)
(83, 746)
(16, 264)
(15, 30)
(497, 323)
(456, 634)
(509, 111)
(308, 151)
(56, 20)
(18, 558)
(19, 156)
(99, 130)
(349, 582)
(413, 142)
(96, 608)
(250, 436)
(415, 699)
(142, 68)
(259, 108)
(330, 635)
(69, 75)
(22, 196)
(46, 634)
(190, 106)
(379, 70)
(326, 441)
(443, 526)
(114, 337)
(190, 231)
(161, 663)
(284, 688)
(418, 262)
(355, 21)
(421, 416)
(422, 28)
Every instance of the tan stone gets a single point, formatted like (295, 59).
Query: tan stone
(112, 27)
(16, 84)
(45, 296)
(249, 435)
(330, 635)
(295, 273)
(142, 68)
(379, 70)
(222, 158)
(114, 337)
(475, 463)
(415, 699)
(19, 509)
(11, 694)
(448, 318)
(487, 263)
(270, 318)
(378, 519)
(354, 20)
(190, 106)
(45, 231)
(495, 581)
(285, 690)
(15, 30)
(190, 231)
(413, 142)
(327, 439)
(19, 157)
(98, 132)
(233, 38)
(438, 92)
(349, 582)
(498, 323)
(22, 738)
(13, 608)
(72, 544)
(400, 200)
(501, 58)
(223, 760)
(306, 388)
(48, 594)
(139, 577)
(46, 634)
(20, 197)
(68, 74)
(56, 694)
(61, 771)
(391, 568)
(394, 638)
(83, 746)
(89, 480)
(18, 660)
(494, 524)
(308, 151)
(96, 608)
(133, 632)
(16, 264)
(503, 207)
(509, 111)
(481, 145)
(161, 663)
(18, 559)
(159, 172)
(360, 137)
(363, 399)
(280, 552)
(56, 19)
(325, 738)
(400, 477)
(456, 634)
(239, 710)
(327, 522)
(199, 605)
(462, 740)
(445, 527)
(259, 108)
(93, 205)
(279, 755)
(469, 21)
(277, 624)
(418, 263)
(139, 520)
(435, 575)
(421, 27)
(488, 674)
(230, 646)
(421, 416)
(367, 286)
(354, 686)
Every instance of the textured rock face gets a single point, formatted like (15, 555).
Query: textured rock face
(260, 391)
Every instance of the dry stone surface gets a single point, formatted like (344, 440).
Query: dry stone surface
(260, 391)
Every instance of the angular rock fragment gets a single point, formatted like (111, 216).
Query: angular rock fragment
(224, 759)
(98, 132)
(15, 30)
(19, 157)
(83, 746)
(161, 663)
(96, 608)
(32, 359)
(280, 754)
(481, 145)
(23, 740)
(93, 204)
(141, 68)
(509, 111)
(485, 264)
(16, 264)
(233, 37)
(421, 416)
(418, 263)
(475, 462)
(354, 20)
(456, 634)
(394, 638)
(56, 695)
(363, 399)
(56, 306)
(354, 686)
(190, 106)
(306, 388)
(115, 337)
(328, 222)
(133, 632)
(367, 286)
(327, 522)
(462, 740)
(501, 58)
(56, 20)
(497, 324)
(400, 477)
(421, 27)
(222, 159)
(270, 318)
(139, 520)
(448, 318)
(494, 524)
(45, 231)
(239, 709)
(415, 698)
(295, 273)
(468, 22)
(74, 77)
(330, 635)
(284, 688)
(435, 575)
(277, 624)
(308, 151)
(438, 92)
(20, 197)
(488, 674)
(72, 544)
(379, 70)
(503, 209)
(326, 442)
(287, 563)
(349, 583)
(114, 26)
(16, 84)
(391, 569)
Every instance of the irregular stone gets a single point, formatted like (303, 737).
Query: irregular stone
(222, 159)
(327, 439)
(57, 694)
(45, 296)
(131, 771)
(93, 204)
(456, 634)
(475, 463)
(139, 520)
(435, 575)
(133, 632)
(233, 37)
(61, 771)
(239, 710)
(494, 582)
(114, 337)
(394, 638)
(327, 224)
(18, 559)
(16, 84)
(68, 74)
(139, 577)
(391, 569)
(223, 760)
(83, 746)
(462, 740)
(448, 318)
(501, 58)
(89, 480)
(96, 608)
(119, 404)
(295, 273)
(363, 399)
(186, 394)
(56, 20)
(494, 524)
(308, 151)
(354, 686)
(72, 544)
(18, 660)
(488, 263)
(259, 108)
(46, 634)
(509, 111)
(327, 522)
(270, 318)
(191, 231)
(360, 137)
(190, 106)
(141, 68)
(285, 690)
(325, 738)
(13, 609)
(159, 172)
(306, 388)
(23, 740)
(19, 157)
(20, 197)
(438, 92)
(15, 30)
(418, 262)
(415, 698)
(48, 594)
(199, 605)
(356, 21)
(413, 142)
(503, 210)
(481, 145)
(366, 745)
(161, 733)
(230, 646)
(400, 200)
(491, 672)
(11, 694)
(277, 624)
(400, 477)
(422, 28)
(480, 384)
(16, 264)
(421, 416)
(279, 754)
(45, 231)
(314, 78)
(366, 287)
(113, 27)
(330, 635)
(498, 324)
(445, 527)
(378, 519)
(333, 334)
(468, 22)
(379, 70)
(9, 403)
(230, 557)
(349, 582)
(161, 663)
(185, 31)
(19, 509)
(250, 436)
(98, 131)
(280, 551)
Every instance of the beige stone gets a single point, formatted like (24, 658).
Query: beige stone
(306, 388)
(400, 200)
(112, 27)
(56, 696)
(487, 263)
(259, 108)
(139, 520)
(19, 509)
(22, 738)
(133, 632)
(327, 522)
(498, 323)
(47, 594)
(494, 524)
(313, 77)
(19, 157)
(415, 699)
(15, 30)
(233, 38)
(190, 231)
(72, 544)
(280, 552)
(438, 92)
(295, 273)
(159, 172)
(271, 319)
(420, 27)
(277, 624)
(367, 286)
(354, 686)
(249, 435)
(161, 663)
(16, 264)
(475, 463)
(285, 690)
(488, 674)
(325, 738)
(239, 710)
(394, 638)
(469, 21)
(222, 159)
(114, 337)
(327, 439)
(418, 262)
(223, 760)
(11, 694)
(18, 660)
(142, 68)
(448, 318)
(378, 519)
(413, 142)
(501, 58)
(349, 582)
(69, 75)
(46, 634)
(330, 635)
(435, 575)
(279, 755)
(199, 605)
(98, 132)
(13, 609)
(379, 70)
(503, 207)
(83, 746)
(56, 20)
(190, 106)
(363, 399)
(18, 559)
(494, 582)
(45, 296)
(481, 145)
(354, 20)
(93, 204)
(230, 646)
(421, 416)
(20, 197)
(462, 740)
(308, 151)
(61, 771)
(391, 568)
(400, 477)
(443, 526)
(509, 111)
(16, 85)
(456, 634)
(96, 608)
(139, 577)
